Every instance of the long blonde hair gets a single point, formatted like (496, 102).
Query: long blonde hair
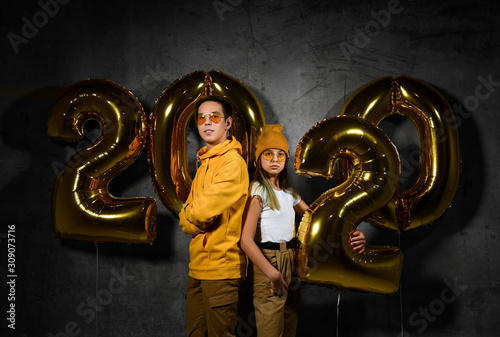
(262, 177)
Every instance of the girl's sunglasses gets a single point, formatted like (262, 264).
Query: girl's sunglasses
(268, 155)
(215, 117)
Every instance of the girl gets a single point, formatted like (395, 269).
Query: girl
(268, 237)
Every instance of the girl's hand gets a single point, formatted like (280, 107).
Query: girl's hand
(358, 241)
(278, 284)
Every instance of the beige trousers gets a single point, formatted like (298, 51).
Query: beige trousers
(276, 316)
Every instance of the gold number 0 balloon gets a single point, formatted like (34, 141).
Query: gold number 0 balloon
(169, 120)
(83, 209)
(324, 255)
(439, 168)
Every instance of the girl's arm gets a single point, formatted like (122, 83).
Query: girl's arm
(301, 207)
(254, 207)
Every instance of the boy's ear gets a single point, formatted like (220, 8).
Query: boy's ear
(229, 122)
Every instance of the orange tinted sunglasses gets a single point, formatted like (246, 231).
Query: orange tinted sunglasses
(268, 155)
(214, 117)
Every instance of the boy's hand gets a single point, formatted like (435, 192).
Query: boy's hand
(206, 225)
(358, 241)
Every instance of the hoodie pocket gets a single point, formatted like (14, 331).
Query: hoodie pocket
(206, 237)
(224, 293)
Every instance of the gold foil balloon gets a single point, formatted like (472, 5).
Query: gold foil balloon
(169, 121)
(439, 161)
(324, 255)
(83, 208)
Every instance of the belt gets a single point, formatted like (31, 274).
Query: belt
(275, 245)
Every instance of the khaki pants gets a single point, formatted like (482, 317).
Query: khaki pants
(276, 316)
(212, 307)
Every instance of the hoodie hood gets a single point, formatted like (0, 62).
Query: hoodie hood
(228, 145)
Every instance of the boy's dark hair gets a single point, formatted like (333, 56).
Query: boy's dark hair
(227, 107)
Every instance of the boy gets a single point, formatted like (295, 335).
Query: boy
(212, 215)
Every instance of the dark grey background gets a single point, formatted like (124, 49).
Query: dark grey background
(289, 54)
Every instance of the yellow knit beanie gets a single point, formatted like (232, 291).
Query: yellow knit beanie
(271, 138)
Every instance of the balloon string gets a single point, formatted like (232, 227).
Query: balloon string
(96, 283)
(400, 294)
(338, 309)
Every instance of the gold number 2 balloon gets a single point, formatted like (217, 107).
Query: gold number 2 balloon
(169, 121)
(439, 157)
(324, 255)
(83, 208)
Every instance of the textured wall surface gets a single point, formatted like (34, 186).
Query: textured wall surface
(302, 60)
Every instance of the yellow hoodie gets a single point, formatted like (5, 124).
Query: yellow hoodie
(220, 188)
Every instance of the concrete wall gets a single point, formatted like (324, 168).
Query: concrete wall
(293, 56)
